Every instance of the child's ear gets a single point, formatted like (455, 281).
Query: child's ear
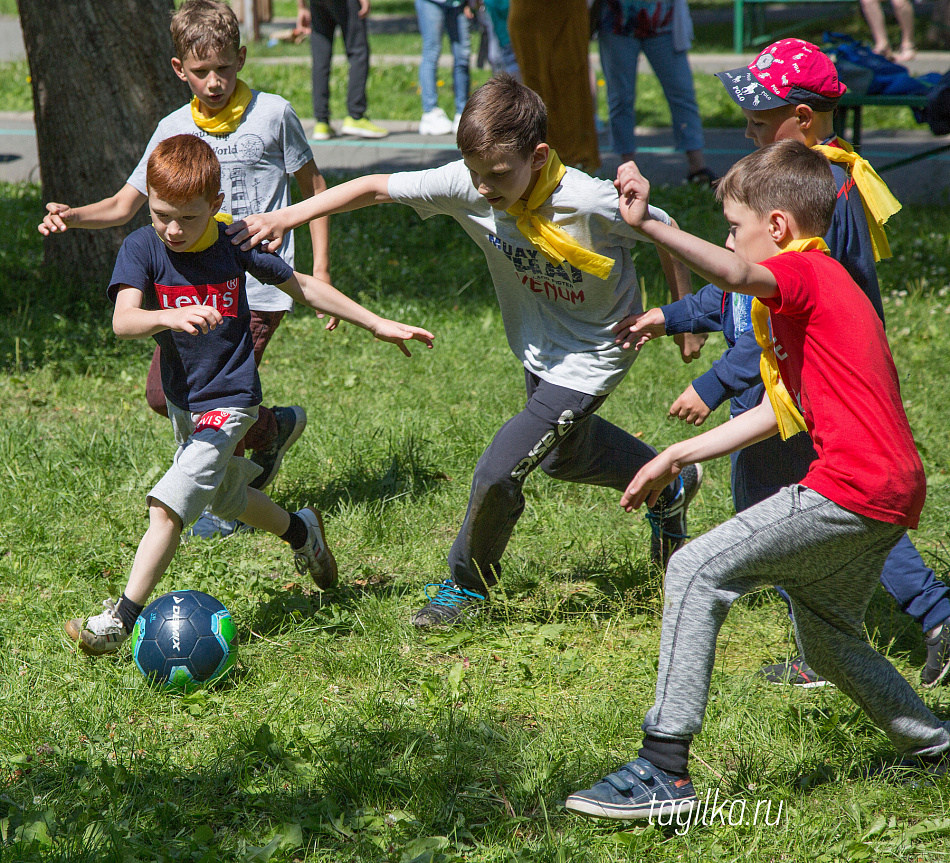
(179, 69)
(540, 156)
(805, 116)
(241, 57)
(781, 227)
(218, 203)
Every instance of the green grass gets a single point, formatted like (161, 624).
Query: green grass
(345, 735)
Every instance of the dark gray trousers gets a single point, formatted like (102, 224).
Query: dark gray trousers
(326, 16)
(558, 431)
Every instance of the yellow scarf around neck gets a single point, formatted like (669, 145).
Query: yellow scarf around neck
(229, 117)
(553, 242)
(879, 203)
(788, 416)
(210, 235)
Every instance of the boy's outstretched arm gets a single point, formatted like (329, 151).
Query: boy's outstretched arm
(274, 225)
(713, 263)
(323, 297)
(107, 213)
(131, 321)
(634, 331)
(748, 428)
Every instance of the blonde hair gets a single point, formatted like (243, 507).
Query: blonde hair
(205, 27)
(787, 175)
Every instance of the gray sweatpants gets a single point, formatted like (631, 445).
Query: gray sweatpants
(829, 560)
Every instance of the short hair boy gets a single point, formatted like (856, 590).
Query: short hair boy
(182, 282)
(790, 92)
(260, 144)
(825, 539)
(557, 251)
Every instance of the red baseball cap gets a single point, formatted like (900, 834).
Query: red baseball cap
(788, 72)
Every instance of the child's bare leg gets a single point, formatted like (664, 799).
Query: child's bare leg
(155, 552)
(264, 514)
(874, 15)
(904, 13)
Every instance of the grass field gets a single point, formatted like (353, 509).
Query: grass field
(345, 735)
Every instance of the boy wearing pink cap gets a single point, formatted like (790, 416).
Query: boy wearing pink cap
(790, 92)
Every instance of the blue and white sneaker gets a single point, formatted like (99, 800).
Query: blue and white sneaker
(291, 422)
(208, 526)
(637, 791)
(449, 605)
(668, 523)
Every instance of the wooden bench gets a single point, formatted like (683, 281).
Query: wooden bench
(854, 102)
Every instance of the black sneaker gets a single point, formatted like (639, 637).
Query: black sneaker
(450, 605)
(638, 790)
(795, 672)
(290, 425)
(938, 658)
(668, 523)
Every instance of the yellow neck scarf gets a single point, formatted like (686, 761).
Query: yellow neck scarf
(789, 417)
(553, 242)
(879, 203)
(229, 117)
(210, 235)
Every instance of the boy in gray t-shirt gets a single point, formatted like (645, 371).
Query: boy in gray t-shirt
(558, 253)
(259, 141)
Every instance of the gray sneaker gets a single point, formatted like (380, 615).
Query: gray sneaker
(291, 422)
(100, 634)
(938, 658)
(315, 558)
(668, 523)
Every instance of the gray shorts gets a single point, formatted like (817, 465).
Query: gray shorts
(205, 474)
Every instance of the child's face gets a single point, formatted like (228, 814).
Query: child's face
(180, 226)
(750, 235)
(213, 78)
(502, 178)
(776, 124)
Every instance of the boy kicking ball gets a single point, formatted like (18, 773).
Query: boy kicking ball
(182, 282)
(828, 371)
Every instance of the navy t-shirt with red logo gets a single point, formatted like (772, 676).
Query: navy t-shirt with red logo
(214, 369)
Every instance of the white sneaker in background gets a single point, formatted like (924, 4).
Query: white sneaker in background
(435, 122)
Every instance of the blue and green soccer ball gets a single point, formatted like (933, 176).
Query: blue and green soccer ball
(184, 640)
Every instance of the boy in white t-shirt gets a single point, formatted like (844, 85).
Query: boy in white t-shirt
(260, 143)
(558, 253)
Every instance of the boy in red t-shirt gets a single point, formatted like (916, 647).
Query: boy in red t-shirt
(828, 371)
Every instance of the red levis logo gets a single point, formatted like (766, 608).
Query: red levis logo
(222, 296)
(212, 420)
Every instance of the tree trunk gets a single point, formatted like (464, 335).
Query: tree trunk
(102, 79)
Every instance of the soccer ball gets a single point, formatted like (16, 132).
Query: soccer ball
(184, 640)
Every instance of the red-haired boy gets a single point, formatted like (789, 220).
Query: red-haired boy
(182, 282)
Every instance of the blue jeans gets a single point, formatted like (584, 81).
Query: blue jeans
(434, 19)
(618, 57)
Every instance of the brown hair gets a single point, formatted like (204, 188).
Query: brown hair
(502, 116)
(205, 27)
(788, 176)
(182, 168)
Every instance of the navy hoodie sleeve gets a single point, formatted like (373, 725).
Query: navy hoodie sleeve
(735, 375)
(695, 313)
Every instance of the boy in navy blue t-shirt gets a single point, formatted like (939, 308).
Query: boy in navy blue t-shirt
(182, 282)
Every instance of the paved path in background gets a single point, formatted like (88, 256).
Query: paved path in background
(405, 149)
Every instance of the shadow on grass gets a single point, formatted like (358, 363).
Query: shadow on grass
(369, 788)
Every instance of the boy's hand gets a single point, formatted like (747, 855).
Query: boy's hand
(324, 276)
(634, 192)
(262, 229)
(193, 319)
(397, 334)
(649, 482)
(56, 219)
(690, 345)
(690, 408)
(637, 329)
